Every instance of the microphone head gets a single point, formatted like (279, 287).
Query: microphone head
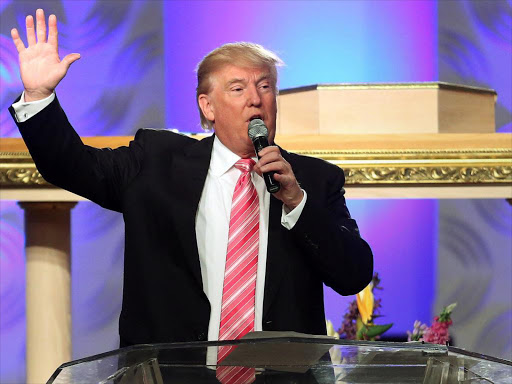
(257, 128)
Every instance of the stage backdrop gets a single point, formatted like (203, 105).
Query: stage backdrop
(474, 264)
(137, 70)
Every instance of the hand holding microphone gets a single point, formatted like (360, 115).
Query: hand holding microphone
(275, 170)
(258, 133)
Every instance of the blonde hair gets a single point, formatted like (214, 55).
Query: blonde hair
(240, 54)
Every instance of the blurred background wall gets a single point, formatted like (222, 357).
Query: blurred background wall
(474, 259)
(137, 70)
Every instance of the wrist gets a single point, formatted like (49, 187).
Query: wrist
(293, 203)
(35, 95)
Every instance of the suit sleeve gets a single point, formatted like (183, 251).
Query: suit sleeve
(330, 238)
(61, 157)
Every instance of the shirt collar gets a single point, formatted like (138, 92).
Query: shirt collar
(222, 158)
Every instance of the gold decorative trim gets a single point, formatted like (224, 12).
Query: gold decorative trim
(425, 85)
(15, 156)
(447, 166)
(485, 166)
(387, 86)
(21, 177)
(429, 175)
(17, 170)
(417, 154)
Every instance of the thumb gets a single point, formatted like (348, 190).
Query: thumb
(70, 59)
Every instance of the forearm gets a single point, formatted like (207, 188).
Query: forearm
(63, 159)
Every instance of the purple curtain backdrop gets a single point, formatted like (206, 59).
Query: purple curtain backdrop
(137, 70)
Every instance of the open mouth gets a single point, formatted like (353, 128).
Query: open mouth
(255, 117)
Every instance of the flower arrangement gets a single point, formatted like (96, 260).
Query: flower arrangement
(438, 332)
(358, 322)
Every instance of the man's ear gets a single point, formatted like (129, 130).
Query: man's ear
(206, 106)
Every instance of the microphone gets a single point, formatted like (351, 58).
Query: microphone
(258, 133)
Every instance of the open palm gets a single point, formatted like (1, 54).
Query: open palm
(40, 66)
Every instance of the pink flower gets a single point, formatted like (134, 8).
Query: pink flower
(417, 332)
(437, 333)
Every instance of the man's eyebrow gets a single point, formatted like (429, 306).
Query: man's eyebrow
(265, 76)
(235, 80)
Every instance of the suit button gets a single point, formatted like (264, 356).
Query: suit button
(201, 336)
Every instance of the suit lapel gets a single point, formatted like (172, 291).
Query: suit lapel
(189, 174)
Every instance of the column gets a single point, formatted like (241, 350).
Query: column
(48, 294)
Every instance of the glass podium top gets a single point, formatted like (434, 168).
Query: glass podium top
(289, 360)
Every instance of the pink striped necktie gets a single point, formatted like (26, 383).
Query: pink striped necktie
(238, 293)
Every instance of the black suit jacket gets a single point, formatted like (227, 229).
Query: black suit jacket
(156, 183)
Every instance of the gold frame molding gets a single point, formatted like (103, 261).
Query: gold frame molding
(17, 169)
(447, 166)
(365, 167)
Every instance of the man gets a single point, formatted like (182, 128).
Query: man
(176, 195)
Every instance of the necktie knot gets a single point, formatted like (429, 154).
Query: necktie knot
(245, 165)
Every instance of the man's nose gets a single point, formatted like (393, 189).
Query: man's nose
(253, 96)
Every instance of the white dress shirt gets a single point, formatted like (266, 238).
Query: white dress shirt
(212, 229)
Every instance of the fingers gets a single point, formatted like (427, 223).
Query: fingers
(272, 161)
(31, 32)
(41, 26)
(52, 31)
(40, 30)
(280, 167)
(16, 40)
(268, 156)
(270, 148)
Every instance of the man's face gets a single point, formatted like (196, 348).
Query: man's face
(238, 95)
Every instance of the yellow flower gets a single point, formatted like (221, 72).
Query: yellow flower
(365, 303)
(330, 329)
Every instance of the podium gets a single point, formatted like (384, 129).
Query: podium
(289, 360)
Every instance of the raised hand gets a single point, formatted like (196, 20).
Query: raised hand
(40, 66)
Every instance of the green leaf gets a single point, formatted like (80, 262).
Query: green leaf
(361, 332)
(377, 330)
(446, 312)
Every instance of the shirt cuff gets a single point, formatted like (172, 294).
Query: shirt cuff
(290, 218)
(26, 109)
